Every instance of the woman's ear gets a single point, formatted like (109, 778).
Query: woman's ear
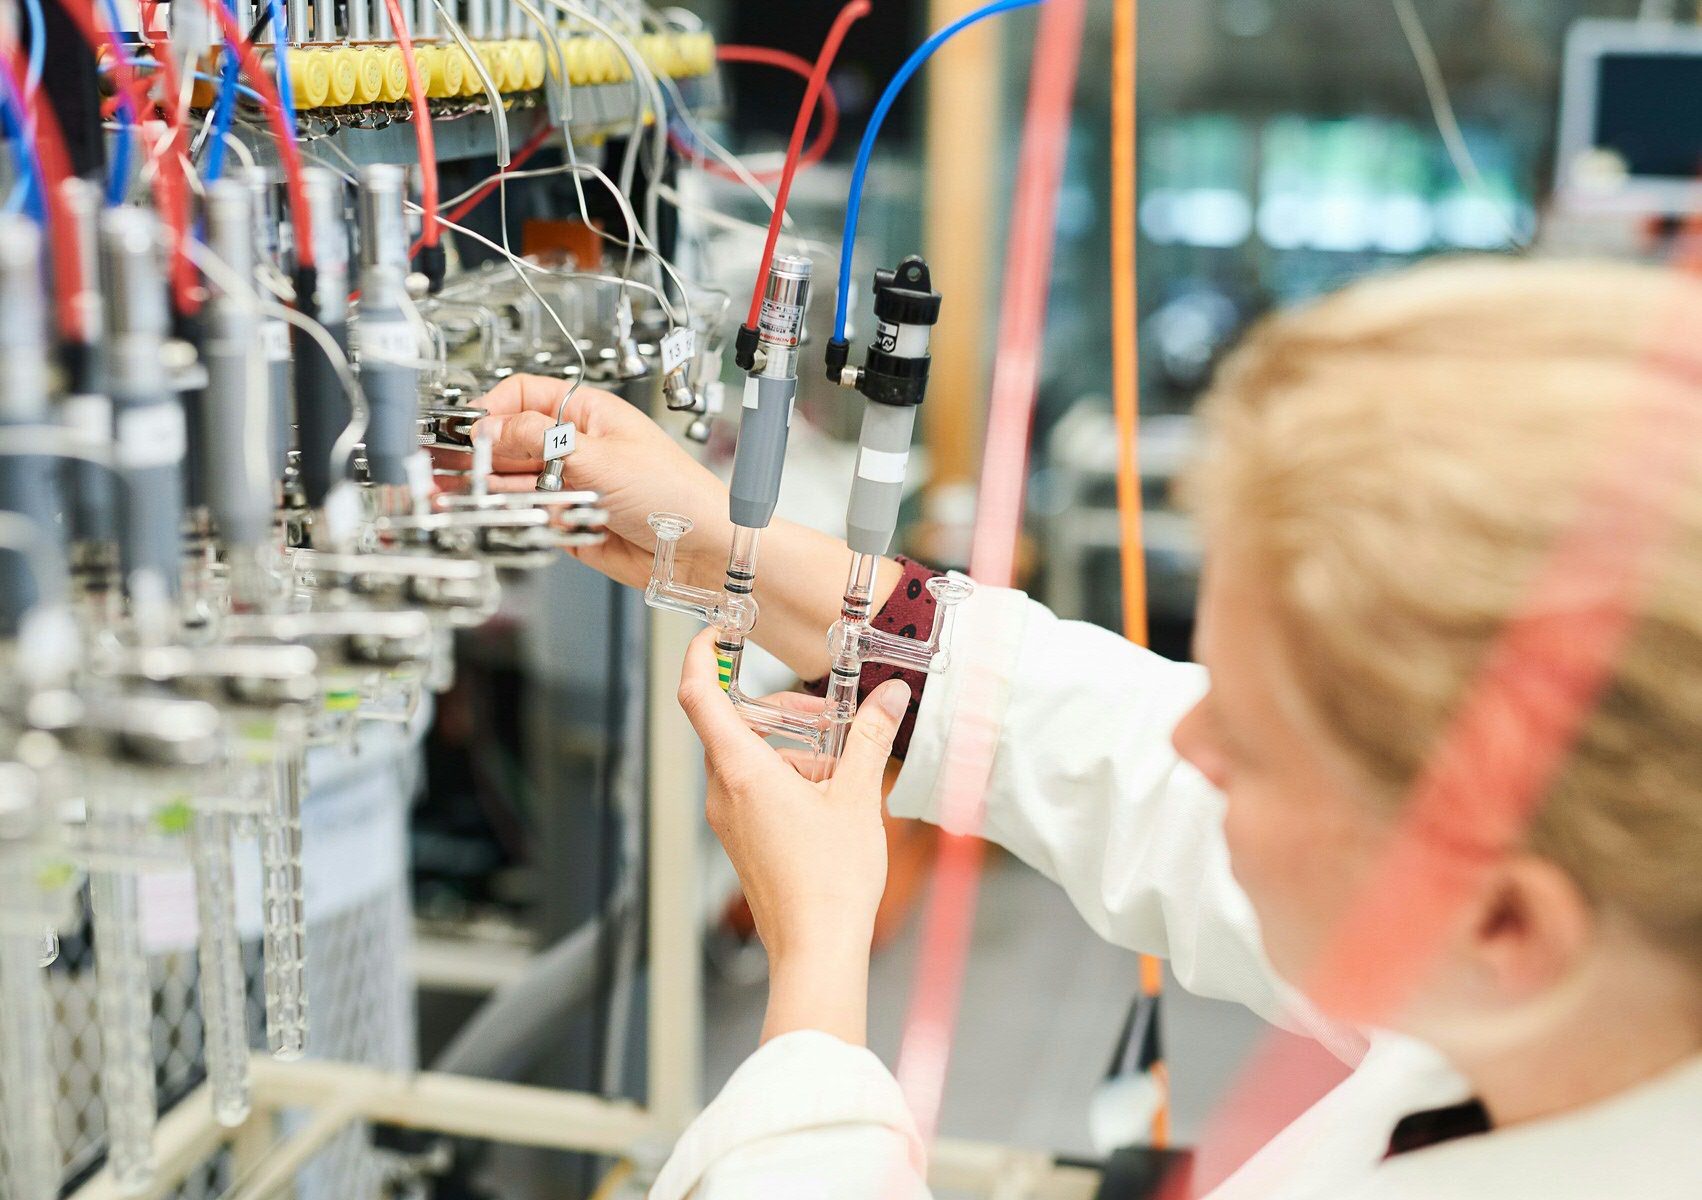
(1531, 930)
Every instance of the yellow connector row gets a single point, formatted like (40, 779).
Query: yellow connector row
(593, 58)
(339, 76)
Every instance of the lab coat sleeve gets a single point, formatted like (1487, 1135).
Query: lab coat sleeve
(807, 1117)
(1086, 787)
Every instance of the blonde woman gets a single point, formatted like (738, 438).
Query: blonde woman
(1383, 473)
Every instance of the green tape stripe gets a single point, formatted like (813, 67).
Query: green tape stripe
(724, 666)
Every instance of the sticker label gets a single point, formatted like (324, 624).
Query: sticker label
(781, 322)
(882, 466)
(752, 393)
(724, 668)
(886, 337)
(387, 341)
(151, 436)
(677, 349)
(275, 338)
(558, 442)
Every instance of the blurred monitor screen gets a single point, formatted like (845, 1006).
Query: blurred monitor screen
(1631, 118)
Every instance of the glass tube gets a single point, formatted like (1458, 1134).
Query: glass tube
(284, 919)
(224, 1001)
(124, 1003)
(32, 1160)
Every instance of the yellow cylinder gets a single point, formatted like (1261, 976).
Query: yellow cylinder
(499, 62)
(577, 53)
(369, 75)
(344, 66)
(393, 68)
(433, 64)
(534, 64)
(516, 63)
(596, 61)
(471, 83)
(310, 79)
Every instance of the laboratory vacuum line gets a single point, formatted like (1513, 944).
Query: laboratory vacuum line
(949, 917)
(849, 15)
(1126, 404)
(865, 149)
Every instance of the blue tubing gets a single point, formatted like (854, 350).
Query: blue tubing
(854, 204)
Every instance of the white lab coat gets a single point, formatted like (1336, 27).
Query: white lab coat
(1087, 789)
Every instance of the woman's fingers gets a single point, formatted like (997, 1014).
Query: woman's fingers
(526, 393)
(797, 702)
(517, 439)
(869, 744)
(728, 742)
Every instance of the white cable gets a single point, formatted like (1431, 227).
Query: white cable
(641, 75)
(242, 150)
(499, 114)
(1442, 109)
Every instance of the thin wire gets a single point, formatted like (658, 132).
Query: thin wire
(1442, 109)
(713, 216)
(578, 350)
(577, 169)
(499, 114)
(641, 74)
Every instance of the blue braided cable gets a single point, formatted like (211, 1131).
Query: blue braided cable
(855, 203)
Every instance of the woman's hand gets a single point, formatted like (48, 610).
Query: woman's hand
(625, 457)
(811, 856)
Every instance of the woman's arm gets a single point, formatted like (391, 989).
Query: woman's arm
(638, 469)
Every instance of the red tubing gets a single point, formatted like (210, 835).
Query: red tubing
(786, 61)
(950, 915)
(288, 152)
(430, 232)
(173, 185)
(69, 269)
(851, 13)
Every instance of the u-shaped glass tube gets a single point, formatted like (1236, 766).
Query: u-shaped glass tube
(852, 642)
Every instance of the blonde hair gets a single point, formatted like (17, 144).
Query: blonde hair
(1402, 455)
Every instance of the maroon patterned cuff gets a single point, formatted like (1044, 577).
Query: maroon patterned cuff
(908, 612)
